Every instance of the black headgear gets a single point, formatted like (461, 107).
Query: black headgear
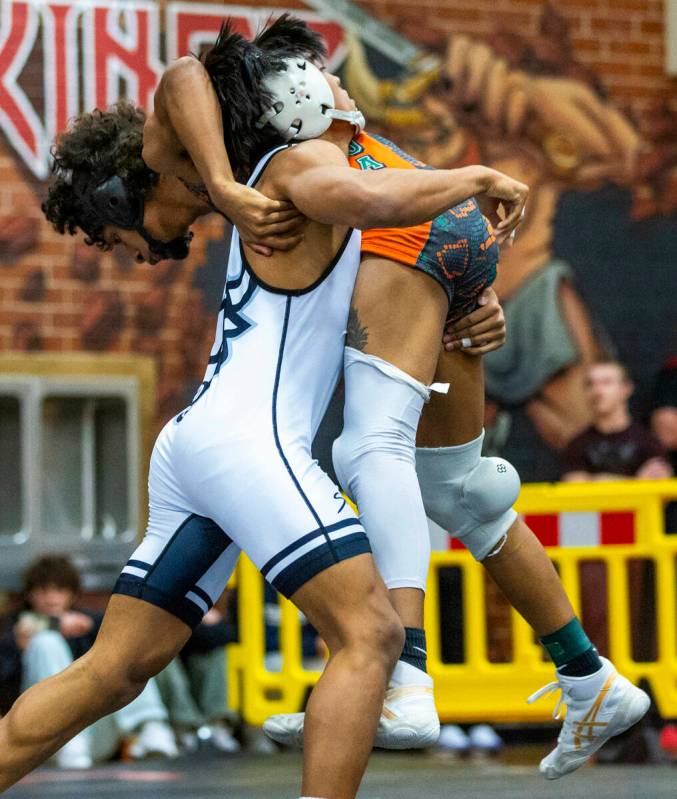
(111, 202)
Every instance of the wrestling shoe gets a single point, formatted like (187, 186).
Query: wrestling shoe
(598, 707)
(408, 720)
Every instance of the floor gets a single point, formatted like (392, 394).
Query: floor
(390, 776)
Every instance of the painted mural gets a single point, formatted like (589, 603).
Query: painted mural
(592, 271)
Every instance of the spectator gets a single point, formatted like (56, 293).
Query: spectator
(664, 426)
(44, 637)
(664, 413)
(194, 685)
(614, 447)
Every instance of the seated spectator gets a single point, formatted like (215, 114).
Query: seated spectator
(664, 413)
(44, 637)
(194, 685)
(664, 426)
(614, 447)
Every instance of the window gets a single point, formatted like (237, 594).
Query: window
(73, 465)
(85, 467)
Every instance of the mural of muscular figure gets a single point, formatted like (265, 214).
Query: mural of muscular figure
(525, 108)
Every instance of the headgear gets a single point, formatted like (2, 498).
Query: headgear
(303, 103)
(109, 201)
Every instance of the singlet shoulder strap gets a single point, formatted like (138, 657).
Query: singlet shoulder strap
(263, 163)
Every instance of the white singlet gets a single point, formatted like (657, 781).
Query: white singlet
(234, 470)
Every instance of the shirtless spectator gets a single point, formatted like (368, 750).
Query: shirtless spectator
(614, 447)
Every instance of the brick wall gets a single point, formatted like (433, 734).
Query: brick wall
(59, 295)
(622, 41)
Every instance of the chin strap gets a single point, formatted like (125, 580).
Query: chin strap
(355, 118)
(177, 249)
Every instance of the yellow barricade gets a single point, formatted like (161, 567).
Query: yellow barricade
(478, 689)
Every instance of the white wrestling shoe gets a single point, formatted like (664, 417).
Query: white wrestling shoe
(598, 707)
(409, 719)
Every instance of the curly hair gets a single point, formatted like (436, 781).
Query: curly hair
(238, 68)
(104, 143)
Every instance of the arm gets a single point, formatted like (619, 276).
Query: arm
(180, 143)
(656, 468)
(576, 477)
(316, 177)
(172, 134)
(588, 477)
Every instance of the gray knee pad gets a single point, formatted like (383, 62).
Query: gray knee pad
(469, 496)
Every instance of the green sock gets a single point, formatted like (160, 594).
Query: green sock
(571, 646)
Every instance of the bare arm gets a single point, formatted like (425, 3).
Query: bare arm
(588, 477)
(656, 468)
(316, 177)
(181, 143)
(577, 477)
(198, 134)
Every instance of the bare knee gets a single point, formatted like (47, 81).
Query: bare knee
(123, 677)
(376, 635)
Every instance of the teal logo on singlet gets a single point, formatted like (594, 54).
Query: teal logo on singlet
(365, 161)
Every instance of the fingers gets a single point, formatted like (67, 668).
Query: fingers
(486, 311)
(277, 206)
(283, 216)
(485, 342)
(491, 325)
(271, 231)
(261, 250)
(514, 213)
(483, 350)
(487, 295)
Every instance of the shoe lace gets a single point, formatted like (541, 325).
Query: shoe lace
(548, 689)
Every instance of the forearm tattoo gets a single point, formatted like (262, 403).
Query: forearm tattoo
(356, 335)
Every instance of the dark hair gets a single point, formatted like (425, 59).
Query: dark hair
(99, 143)
(238, 67)
(51, 570)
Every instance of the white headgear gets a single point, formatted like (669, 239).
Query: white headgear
(303, 103)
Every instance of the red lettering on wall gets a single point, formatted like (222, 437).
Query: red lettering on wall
(119, 57)
(18, 118)
(122, 47)
(192, 25)
(61, 65)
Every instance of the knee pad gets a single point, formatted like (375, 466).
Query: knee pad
(469, 496)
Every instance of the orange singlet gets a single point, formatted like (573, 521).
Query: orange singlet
(457, 249)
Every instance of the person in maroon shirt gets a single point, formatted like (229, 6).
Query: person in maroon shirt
(614, 447)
